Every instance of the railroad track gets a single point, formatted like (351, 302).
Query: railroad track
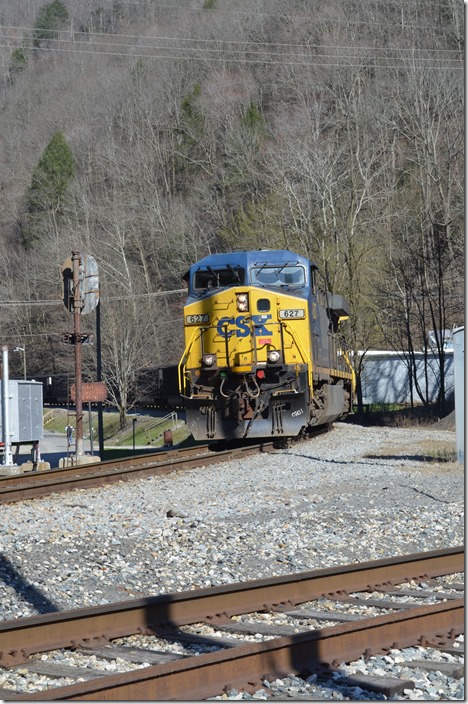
(304, 621)
(31, 485)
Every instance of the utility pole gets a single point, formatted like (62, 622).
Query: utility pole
(81, 296)
(99, 377)
(23, 350)
(77, 306)
(7, 454)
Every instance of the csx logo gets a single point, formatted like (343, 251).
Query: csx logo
(242, 328)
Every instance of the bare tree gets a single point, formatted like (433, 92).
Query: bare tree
(426, 251)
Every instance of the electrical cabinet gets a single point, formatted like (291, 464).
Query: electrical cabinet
(25, 411)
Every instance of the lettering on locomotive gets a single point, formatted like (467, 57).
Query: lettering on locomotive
(242, 327)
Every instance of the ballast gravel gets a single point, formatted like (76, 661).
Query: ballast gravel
(353, 494)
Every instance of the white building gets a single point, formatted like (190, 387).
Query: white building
(387, 377)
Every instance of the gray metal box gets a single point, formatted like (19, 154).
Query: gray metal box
(25, 404)
(459, 346)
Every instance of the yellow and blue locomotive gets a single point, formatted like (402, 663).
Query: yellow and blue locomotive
(261, 354)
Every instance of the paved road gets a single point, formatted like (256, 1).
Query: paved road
(53, 447)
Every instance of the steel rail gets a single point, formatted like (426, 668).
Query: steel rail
(158, 456)
(32, 485)
(208, 675)
(22, 637)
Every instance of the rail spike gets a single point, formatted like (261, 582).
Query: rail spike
(9, 658)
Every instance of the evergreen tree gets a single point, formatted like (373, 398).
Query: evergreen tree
(49, 185)
(253, 118)
(50, 18)
(18, 63)
(51, 176)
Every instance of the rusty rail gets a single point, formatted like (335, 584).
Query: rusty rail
(208, 675)
(156, 615)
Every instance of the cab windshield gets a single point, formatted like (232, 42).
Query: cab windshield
(212, 277)
(278, 276)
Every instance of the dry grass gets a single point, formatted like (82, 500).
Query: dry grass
(439, 450)
(436, 455)
(406, 417)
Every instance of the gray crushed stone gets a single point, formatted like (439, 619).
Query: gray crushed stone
(353, 494)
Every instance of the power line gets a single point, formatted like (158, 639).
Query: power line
(223, 59)
(56, 302)
(70, 33)
(149, 295)
(20, 304)
(222, 52)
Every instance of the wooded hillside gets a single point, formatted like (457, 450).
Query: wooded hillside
(148, 133)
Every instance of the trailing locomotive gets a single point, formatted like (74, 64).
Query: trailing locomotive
(261, 354)
(154, 387)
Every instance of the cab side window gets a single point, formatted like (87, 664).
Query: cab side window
(218, 278)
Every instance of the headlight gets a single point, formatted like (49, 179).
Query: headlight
(209, 360)
(242, 302)
(273, 356)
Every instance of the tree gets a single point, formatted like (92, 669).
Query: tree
(18, 63)
(425, 292)
(50, 19)
(50, 182)
(336, 132)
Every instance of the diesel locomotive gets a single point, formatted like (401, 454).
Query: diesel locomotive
(262, 357)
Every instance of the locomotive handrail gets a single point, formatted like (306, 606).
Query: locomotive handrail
(305, 356)
(181, 365)
(271, 323)
(353, 373)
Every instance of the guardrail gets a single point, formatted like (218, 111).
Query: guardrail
(48, 417)
(171, 417)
